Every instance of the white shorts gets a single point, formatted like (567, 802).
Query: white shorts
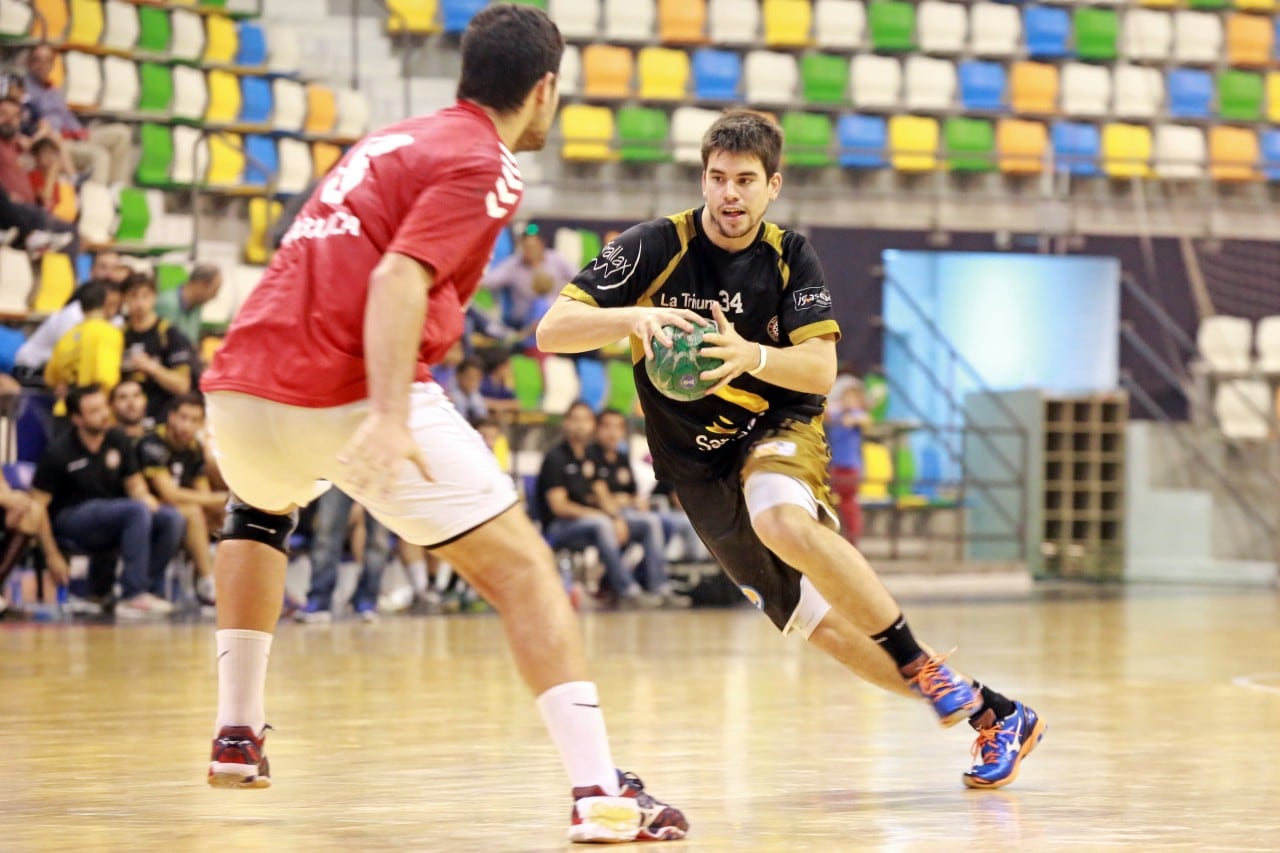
(274, 457)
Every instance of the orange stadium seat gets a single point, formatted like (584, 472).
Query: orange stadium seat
(1033, 87)
(607, 71)
(682, 21)
(52, 17)
(1021, 145)
(1249, 40)
(322, 109)
(1233, 154)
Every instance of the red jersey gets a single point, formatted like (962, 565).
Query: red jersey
(438, 188)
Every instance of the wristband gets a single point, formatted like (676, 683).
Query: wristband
(764, 359)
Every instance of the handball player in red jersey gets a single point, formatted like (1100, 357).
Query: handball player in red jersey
(323, 378)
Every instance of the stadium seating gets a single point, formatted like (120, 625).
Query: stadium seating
(913, 141)
(1126, 150)
(1179, 152)
(863, 141)
(1243, 407)
(1023, 146)
(787, 23)
(733, 22)
(1223, 344)
(642, 135)
(970, 144)
(628, 21)
(839, 24)
(717, 75)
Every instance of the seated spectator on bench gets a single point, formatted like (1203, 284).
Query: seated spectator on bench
(172, 462)
(569, 506)
(36, 229)
(129, 409)
(89, 483)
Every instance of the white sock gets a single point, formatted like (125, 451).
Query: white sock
(572, 714)
(242, 678)
(417, 571)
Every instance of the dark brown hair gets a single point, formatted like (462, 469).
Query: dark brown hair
(745, 132)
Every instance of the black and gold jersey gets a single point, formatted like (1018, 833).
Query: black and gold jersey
(773, 292)
(184, 464)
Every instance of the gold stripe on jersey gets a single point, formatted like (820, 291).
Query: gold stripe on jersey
(815, 330)
(751, 402)
(577, 294)
(773, 238)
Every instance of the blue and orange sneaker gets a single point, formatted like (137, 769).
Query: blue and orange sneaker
(953, 698)
(1000, 748)
(633, 815)
(238, 759)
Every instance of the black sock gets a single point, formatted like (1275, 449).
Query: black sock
(898, 642)
(999, 705)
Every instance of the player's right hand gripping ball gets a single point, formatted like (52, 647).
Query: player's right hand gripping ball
(675, 370)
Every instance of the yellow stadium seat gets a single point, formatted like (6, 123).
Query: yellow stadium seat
(913, 141)
(787, 23)
(682, 21)
(86, 23)
(1021, 145)
(1233, 153)
(1126, 150)
(1158, 4)
(1257, 5)
(877, 472)
(224, 98)
(57, 282)
(1273, 97)
(52, 17)
(1249, 39)
(664, 74)
(262, 213)
(68, 206)
(413, 16)
(323, 157)
(226, 160)
(322, 109)
(221, 40)
(606, 71)
(587, 133)
(1033, 87)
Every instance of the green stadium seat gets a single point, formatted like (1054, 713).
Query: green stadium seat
(135, 216)
(526, 374)
(170, 276)
(154, 32)
(622, 386)
(642, 135)
(156, 88)
(1208, 4)
(483, 302)
(970, 144)
(156, 158)
(591, 247)
(824, 78)
(1096, 33)
(1240, 95)
(892, 24)
(541, 4)
(810, 137)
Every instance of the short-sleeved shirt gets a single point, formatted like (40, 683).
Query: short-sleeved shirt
(73, 475)
(774, 292)
(156, 453)
(166, 345)
(185, 320)
(616, 473)
(87, 354)
(436, 188)
(13, 177)
(561, 467)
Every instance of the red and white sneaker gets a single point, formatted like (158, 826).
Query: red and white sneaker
(238, 760)
(633, 815)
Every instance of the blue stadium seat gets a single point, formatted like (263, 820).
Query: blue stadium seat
(1190, 93)
(862, 141)
(1077, 147)
(503, 248)
(252, 52)
(256, 102)
(458, 13)
(1048, 30)
(593, 386)
(717, 75)
(261, 162)
(1270, 142)
(982, 85)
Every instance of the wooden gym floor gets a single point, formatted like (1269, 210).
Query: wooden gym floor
(414, 734)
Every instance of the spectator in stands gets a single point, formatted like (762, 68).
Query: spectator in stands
(498, 387)
(464, 391)
(25, 521)
(846, 419)
(616, 492)
(89, 483)
(336, 514)
(172, 462)
(32, 225)
(36, 351)
(90, 353)
(496, 440)
(514, 277)
(569, 506)
(110, 266)
(156, 354)
(103, 150)
(15, 89)
(129, 409)
(618, 482)
(183, 306)
(51, 180)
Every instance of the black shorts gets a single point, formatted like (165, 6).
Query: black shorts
(718, 511)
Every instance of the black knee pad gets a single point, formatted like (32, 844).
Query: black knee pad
(269, 528)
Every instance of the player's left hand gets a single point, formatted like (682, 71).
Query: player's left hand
(738, 354)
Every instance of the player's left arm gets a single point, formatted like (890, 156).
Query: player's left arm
(808, 367)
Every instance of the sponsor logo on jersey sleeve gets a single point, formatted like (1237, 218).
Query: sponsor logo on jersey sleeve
(613, 261)
(812, 297)
(774, 334)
